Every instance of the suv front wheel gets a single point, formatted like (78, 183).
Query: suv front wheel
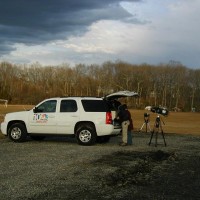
(17, 132)
(86, 134)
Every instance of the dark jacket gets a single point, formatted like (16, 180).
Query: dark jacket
(123, 114)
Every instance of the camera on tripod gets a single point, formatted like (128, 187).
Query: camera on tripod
(146, 117)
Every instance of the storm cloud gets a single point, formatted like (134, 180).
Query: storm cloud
(53, 32)
(36, 22)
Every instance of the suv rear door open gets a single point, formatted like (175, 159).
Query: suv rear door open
(112, 100)
(120, 94)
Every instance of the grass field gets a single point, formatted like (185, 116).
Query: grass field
(175, 122)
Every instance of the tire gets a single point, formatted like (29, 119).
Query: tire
(17, 132)
(86, 135)
(37, 137)
(103, 139)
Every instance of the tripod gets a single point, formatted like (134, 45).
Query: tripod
(146, 122)
(157, 127)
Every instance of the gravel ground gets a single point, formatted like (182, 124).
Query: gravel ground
(59, 168)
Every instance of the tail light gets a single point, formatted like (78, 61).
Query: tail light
(108, 118)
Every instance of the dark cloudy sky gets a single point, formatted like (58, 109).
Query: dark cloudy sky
(95, 31)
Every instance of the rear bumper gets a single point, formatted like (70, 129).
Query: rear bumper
(116, 131)
(117, 127)
(108, 129)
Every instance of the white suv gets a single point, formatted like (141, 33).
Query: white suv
(88, 118)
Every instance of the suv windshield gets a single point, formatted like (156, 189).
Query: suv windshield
(47, 106)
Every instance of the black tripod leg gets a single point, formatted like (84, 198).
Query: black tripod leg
(163, 138)
(163, 135)
(156, 138)
(151, 137)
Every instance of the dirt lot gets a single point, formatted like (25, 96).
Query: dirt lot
(59, 168)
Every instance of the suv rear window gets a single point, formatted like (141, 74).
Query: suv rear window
(95, 105)
(68, 106)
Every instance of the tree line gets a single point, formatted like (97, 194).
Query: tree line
(171, 85)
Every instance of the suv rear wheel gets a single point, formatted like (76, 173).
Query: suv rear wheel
(86, 134)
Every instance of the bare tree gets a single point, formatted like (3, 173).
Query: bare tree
(171, 85)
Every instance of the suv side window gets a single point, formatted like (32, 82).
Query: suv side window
(47, 106)
(68, 106)
(95, 105)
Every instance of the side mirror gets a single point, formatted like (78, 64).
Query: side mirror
(35, 110)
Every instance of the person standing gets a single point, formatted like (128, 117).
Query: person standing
(123, 117)
(130, 128)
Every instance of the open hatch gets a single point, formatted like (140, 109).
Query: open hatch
(120, 94)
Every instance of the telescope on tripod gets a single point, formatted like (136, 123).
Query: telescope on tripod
(158, 109)
(158, 125)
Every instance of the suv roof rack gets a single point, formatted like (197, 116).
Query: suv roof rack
(80, 96)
